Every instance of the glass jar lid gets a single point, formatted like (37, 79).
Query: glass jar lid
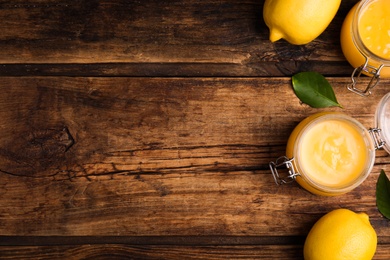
(382, 121)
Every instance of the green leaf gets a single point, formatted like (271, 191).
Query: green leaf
(314, 90)
(383, 194)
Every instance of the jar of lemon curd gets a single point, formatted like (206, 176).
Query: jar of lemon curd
(331, 153)
(365, 42)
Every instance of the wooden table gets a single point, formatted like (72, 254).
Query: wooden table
(144, 129)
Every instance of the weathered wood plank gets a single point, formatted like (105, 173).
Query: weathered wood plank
(142, 123)
(161, 157)
(154, 252)
(290, 252)
(232, 204)
(164, 69)
(174, 38)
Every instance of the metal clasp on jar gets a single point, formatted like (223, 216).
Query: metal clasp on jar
(376, 136)
(369, 69)
(287, 163)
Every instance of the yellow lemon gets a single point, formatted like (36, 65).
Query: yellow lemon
(341, 235)
(298, 21)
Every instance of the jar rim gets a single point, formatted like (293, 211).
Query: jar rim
(356, 181)
(366, 52)
(382, 121)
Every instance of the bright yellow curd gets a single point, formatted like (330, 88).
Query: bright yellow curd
(374, 30)
(331, 154)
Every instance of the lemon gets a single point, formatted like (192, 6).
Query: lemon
(341, 235)
(298, 21)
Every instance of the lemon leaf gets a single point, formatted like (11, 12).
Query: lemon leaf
(383, 194)
(313, 89)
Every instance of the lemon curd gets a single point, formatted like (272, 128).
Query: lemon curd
(365, 33)
(332, 153)
(374, 28)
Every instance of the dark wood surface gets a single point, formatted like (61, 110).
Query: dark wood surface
(144, 129)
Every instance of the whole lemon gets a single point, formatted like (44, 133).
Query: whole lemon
(341, 234)
(298, 21)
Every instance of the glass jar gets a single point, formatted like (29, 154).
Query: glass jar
(365, 42)
(328, 154)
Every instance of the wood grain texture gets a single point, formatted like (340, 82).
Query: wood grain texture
(144, 130)
(161, 157)
(157, 252)
(114, 251)
(174, 38)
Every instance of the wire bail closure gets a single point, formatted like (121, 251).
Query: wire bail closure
(371, 70)
(376, 136)
(288, 163)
